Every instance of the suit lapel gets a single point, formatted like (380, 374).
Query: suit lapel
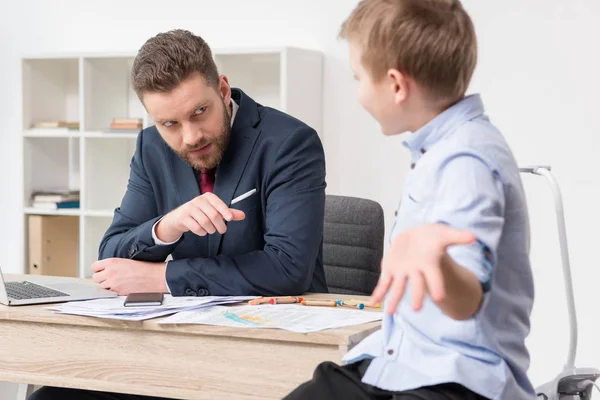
(185, 179)
(229, 172)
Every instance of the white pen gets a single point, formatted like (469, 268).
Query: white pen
(243, 196)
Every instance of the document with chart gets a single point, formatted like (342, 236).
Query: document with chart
(292, 317)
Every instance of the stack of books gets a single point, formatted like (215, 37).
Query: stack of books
(54, 200)
(55, 125)
(126, 124)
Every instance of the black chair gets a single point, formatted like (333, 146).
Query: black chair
(352, 244)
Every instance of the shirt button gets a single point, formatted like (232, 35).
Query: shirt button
(423, 151)
(390, 352)
(412, 166)
(487, 255)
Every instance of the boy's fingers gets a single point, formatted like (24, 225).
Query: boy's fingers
(417, 288)
(381, 289)
(451, 236)
(435, 283)
(396, 293)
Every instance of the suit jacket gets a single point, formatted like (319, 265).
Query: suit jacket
(276, 250)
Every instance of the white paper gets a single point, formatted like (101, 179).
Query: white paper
(113, 307)
(291, 317)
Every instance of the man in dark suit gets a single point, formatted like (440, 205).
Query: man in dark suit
(211, 144)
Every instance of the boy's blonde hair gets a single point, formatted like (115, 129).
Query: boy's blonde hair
(433, 41)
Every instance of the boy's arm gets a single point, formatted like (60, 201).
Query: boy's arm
(451, 259)
(463, 291)
(418, 256)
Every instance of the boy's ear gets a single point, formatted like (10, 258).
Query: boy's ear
(398, 85)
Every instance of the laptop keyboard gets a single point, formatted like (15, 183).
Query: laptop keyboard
(27, 290)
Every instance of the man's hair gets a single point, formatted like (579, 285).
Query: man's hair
(169, 58)
(433, 41)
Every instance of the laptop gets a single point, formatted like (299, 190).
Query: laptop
(17, 293)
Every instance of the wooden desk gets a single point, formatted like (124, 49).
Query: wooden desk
(40, 347)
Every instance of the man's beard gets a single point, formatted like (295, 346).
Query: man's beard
(219, 145)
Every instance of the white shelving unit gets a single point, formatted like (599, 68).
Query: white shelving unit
(94, 88)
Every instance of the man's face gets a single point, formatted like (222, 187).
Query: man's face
(194, 119)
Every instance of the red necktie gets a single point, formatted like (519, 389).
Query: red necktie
(207, 181)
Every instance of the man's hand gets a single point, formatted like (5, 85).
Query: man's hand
(125, 276)
(204, 214)
(419, 255)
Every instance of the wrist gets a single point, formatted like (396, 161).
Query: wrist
(160, 278)
(449, 267)
(166, 231)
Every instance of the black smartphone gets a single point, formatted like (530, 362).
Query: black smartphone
(143, 299)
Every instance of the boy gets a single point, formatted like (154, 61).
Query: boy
(457, 281)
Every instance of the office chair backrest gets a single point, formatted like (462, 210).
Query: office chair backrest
(352, 244)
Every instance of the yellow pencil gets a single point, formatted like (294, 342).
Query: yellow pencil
(355, 301)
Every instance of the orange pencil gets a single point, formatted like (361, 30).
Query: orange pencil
(260, 300)
(274, 300)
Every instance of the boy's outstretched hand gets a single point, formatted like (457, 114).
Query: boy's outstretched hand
(419, 255)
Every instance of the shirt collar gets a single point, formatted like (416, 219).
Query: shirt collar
(234, 109)
(444, 124)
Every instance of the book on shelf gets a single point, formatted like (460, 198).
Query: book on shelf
(55, 199)
(126, 124)
(55, 196)
(55, 125)
(127, 120)
(47, 205)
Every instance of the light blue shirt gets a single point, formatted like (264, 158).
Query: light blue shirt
(462, 174)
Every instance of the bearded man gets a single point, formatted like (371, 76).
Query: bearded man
(232, 190)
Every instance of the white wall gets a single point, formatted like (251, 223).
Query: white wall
(537, 71)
